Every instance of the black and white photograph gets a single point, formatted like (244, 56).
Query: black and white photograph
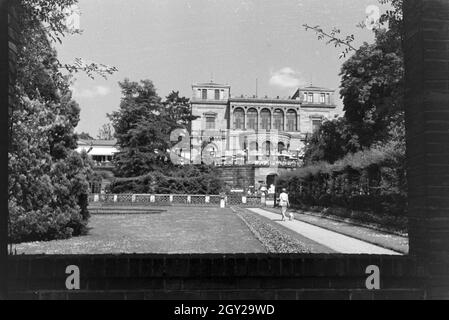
(224, 155)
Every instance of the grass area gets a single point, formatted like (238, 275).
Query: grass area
(382, 222)
(174, 230)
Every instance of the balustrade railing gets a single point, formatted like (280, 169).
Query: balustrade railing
(175, 199)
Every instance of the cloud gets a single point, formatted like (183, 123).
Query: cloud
(286, 78)
(98, 91)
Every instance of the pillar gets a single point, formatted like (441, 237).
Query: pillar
(7, 62)
(426, 49)
(284, 127)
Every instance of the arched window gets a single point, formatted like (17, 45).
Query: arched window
(278, 120)
(265, 117)
(253, 151)
(252, 119)
(267, 148)
(292, 121)
(254, 146)
(239, 119)
(281, 147)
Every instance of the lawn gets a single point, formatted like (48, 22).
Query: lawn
(174, 230)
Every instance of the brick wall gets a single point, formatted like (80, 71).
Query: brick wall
(426, 46)
(8, 31)
(289, 277)
(427, 103)
(243, 276)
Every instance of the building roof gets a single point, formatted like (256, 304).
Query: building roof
(98, 143)
(315, 88)
(263, 100)
(311, 88)
(98, 147)
(211, 85)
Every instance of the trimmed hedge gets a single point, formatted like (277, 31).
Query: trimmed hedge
(200, 180)
(372, 181)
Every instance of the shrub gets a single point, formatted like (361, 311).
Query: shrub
(372, 181)
(188, 180)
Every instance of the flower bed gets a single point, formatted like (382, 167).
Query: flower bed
(272, 238)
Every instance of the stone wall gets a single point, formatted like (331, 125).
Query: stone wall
(238, 176)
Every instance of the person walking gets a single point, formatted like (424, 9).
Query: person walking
(284, 203)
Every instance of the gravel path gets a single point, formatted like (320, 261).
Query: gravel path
(333, 240)
(380, 238)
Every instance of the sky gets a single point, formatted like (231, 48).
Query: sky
(176, 43)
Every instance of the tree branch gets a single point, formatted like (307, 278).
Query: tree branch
(332, 38)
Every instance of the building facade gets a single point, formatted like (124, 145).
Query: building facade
(267, 134)
(252, 139)
(102, 153)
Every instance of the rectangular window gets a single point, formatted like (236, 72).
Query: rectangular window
(310, 98)
(328, 98)
(323, 98)
(210, 123)
(217, 94)
(204, 95)
(316, 124)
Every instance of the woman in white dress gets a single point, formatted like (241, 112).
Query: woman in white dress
(284, 203)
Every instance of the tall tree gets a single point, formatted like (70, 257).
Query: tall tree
(372, 85)
(142, 129)
(178, 109)
(330, 143)
(85, 136)
(106, 132)
(48, 179)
